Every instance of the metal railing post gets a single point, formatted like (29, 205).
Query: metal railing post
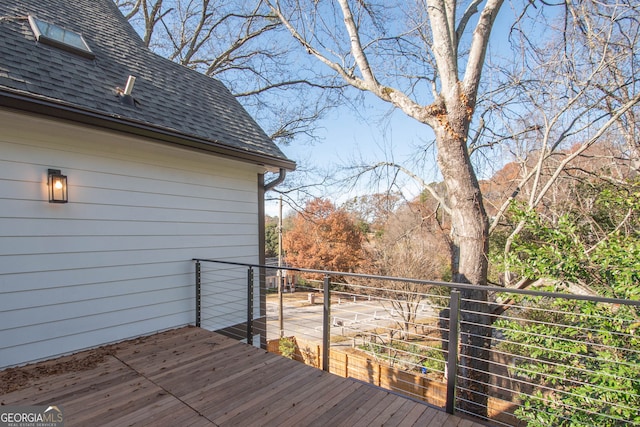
(280, 303)
(452, 356)
(198, 294)
(250, 306)
(326, 324)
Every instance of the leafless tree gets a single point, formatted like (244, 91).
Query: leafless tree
(581, 96)
(239, 43)
(569, 78)
(413, 245)
(426, 58)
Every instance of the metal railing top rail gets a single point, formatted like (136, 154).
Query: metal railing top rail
(452, 285)
(435, 346)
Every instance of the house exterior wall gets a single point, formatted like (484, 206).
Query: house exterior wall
(114, 262)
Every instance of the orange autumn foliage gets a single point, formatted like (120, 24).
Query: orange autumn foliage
(323, 238)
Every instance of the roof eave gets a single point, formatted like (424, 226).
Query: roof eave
(53, 108)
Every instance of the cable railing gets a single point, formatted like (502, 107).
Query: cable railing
(507, 356)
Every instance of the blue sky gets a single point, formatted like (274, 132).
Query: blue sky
(345, 137)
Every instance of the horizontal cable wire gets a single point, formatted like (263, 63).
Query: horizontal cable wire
(365, 317)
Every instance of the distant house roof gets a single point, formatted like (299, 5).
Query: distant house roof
(169, 102)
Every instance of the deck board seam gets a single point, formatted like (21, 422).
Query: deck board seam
(166, 390)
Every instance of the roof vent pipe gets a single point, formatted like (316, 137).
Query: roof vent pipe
(129, 87)
(270, 185)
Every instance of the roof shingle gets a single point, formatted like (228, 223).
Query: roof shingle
(170, 99)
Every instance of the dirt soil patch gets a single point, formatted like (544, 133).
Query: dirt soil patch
(13, 379)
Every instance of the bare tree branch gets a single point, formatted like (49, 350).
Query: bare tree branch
(415, 177)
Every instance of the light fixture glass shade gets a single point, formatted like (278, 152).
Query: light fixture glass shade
(57, 187)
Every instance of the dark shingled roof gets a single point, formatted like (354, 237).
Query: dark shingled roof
(172, 103)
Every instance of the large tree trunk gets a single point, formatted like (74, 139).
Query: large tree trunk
(449, 116)
(470, 230)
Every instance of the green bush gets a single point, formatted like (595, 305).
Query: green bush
(287, 347)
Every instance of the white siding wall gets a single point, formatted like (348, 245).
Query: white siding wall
(114, 262)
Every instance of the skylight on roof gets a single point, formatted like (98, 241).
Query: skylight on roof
(62, 38)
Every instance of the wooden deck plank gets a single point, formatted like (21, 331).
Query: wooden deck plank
(427, 416)
(289, 405)
(228, 357)
(468, 423)
(147, 345)
(195, 373)
(175, 345)
(184, 380)
(369, 406)
(296, 416)
(260, 400)
(413, 415)
(337, 406)
(168, 411)
(347, 406)
(116, 410)
(179, 353)
(67, 385)
(451, 422)
(106, 404)
(323, 404)
(440, 418)
(190, 376)
(393, 402)
(246, 390)
(175, 359)
(285, 392)
(461, 422)
(397, 418)
(370, 416)
(219, 379)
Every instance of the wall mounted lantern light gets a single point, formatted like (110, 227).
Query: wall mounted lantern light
(57, 187)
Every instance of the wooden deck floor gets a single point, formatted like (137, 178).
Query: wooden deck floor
(193, 377)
